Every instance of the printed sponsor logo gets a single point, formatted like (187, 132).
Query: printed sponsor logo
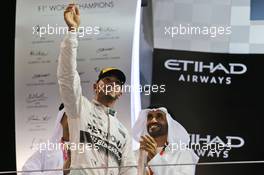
(205, 72)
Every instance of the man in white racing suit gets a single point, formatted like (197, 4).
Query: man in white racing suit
(93, 125)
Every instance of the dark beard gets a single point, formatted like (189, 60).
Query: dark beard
(110, 98)
(107, 97)
(161, 132)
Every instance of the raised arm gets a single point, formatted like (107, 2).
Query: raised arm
(68, 77)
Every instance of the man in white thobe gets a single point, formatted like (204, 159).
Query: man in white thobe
(43, 161)
(163, 142)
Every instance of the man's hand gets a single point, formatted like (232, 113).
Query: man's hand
(72, 17)
(67, 164)
(149, 144)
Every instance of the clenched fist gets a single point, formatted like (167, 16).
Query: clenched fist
(72, 17)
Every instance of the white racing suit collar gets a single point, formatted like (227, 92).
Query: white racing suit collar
(106, 109)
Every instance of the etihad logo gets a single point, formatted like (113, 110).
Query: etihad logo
(205, 72)
(200, 66)
(215, 146)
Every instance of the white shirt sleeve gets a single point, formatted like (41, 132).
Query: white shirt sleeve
(68, 77)
(44, 160)
(182, 157)
(34, 163)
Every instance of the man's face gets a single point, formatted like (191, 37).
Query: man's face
(108, 87)
(157, 123)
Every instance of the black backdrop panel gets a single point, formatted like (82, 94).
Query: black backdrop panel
(218, 98)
